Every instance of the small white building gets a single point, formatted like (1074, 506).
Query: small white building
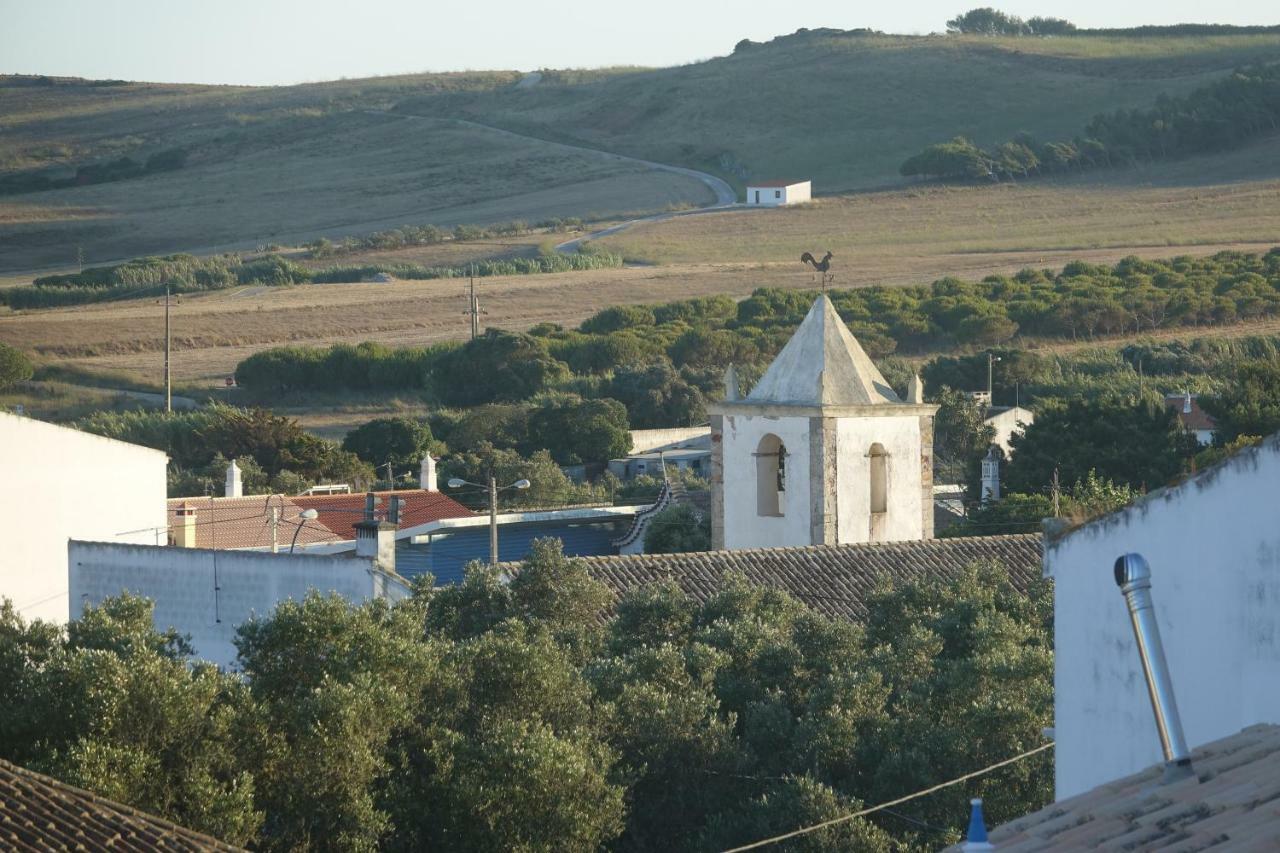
(1213, 545)
(1007, 421)
(1191, 417)
(59, 484)
(778, 193)
(822, 451)
(208, 594)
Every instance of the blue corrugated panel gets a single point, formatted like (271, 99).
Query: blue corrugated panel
(448, 554)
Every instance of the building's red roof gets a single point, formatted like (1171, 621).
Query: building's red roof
(339, 513)
(776, 183)
(1195, 419)
(246, 522)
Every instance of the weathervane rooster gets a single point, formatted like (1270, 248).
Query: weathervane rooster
(823, 266)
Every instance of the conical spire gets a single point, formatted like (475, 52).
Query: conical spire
(823, 365)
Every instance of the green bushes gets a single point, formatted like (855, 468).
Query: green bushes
(1221, 115)
(194, 439)
(15, 367)
(190, 274)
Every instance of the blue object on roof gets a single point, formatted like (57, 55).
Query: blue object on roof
(977, 833)
(449, 551)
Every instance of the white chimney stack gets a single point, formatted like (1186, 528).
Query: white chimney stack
(235, 488)
(427, 476)
(376, 540)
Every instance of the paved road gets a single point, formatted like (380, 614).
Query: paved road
(726, 196)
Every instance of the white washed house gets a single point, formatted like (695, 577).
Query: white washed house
(59, 484)
(778, 193)
(822, 451)
(207, 594)
(1213, 545)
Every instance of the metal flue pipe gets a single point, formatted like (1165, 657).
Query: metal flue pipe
(1133, 576)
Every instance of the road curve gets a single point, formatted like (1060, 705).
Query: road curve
(726, 196)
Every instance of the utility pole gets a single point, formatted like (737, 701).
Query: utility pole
(493, 518)
(1057, 493)
(168, 386)
(390, 475)
(990, 373)
(473, 304)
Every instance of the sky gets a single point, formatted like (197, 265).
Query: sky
(287, 41)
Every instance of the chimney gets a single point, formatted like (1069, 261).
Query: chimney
(234, 487)
(376, 540)
(1186, 402)
(1133, 576)
(184, 527)
(915, 390)
(976, 836)
(427, 476)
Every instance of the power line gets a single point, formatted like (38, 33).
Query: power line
(863, 812)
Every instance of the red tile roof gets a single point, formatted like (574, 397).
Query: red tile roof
(246, 522)
(40, 813)
(771, 184)
(1230, 804)
(1196, 419)
(339, 513)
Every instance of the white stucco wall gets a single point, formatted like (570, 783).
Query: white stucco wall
(900, 436)
(208, 594)
(1006, 423)
(775, 196)
(61, 483)
(1214, 548)
(743, 526)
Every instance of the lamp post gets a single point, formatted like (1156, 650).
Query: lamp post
(991, 359)
(493, 489)
(303, 517)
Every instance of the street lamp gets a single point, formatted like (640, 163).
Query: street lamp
(457, 483)
(991, 359)
(303, 517)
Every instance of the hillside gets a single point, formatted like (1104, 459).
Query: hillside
(287, 164)
(846, 108)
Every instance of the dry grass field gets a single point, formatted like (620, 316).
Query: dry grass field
(355, 172)
(1233, 197)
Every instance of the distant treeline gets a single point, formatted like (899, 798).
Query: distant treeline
(191, 274)
(119, 169)
(430, 235)
(987, 21)
(662, 360)
(1216, 117)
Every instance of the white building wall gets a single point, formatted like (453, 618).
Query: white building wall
(59, 484)
(208, 594)
(797, 193)
(900, 436)
(1214, 548)
(1009, 422)
(777, 196)
(743, 526)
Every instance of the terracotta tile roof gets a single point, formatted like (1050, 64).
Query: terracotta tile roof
(246, 522)
(777, 183)
(1196, 419)
(832, 579)
(1232, 803)
(40, 813)
(339, 513)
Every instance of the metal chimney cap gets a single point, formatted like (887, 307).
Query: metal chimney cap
(1132, 572)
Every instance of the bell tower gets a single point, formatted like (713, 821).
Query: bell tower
(822, 451)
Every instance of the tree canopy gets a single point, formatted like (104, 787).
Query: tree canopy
(506, 714)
